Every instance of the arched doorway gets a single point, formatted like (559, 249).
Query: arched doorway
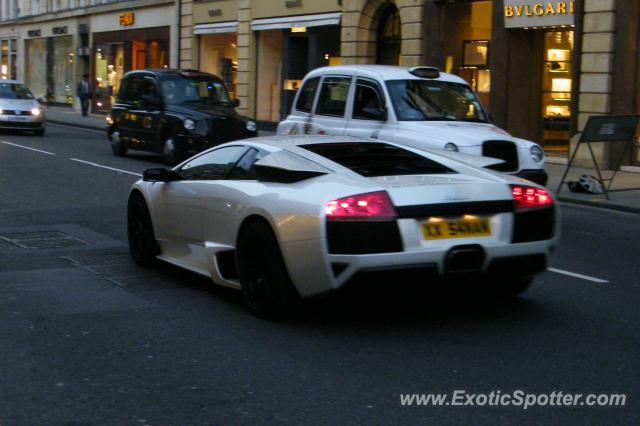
(389, 36)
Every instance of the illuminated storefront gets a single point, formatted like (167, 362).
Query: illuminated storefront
(517, 55)
(128, 40)
(288, 48)
(216, 32)
(8, 58)
(116, 52)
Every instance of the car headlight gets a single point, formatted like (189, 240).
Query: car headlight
(35, 112)
(189, 124)
(1, 111)
(450, 146)
(251, 125)
(536, 153)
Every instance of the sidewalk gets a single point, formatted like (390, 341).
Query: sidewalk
(625, 201)
(628, 201)
(69, 117)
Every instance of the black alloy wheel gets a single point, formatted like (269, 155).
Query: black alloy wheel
(266, 285)
(142, 242)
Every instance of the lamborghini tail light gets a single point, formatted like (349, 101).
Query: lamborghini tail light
(527, 197)
(369, 206)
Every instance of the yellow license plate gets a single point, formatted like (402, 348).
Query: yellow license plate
(463, 228)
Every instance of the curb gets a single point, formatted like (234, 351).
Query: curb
(601, 205)
(80, 126)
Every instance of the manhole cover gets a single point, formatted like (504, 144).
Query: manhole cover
(41, 240)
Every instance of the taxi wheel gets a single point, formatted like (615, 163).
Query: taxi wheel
(172, 154)
(266, 285)
(142, 242)
(117, 146)
(509, 287)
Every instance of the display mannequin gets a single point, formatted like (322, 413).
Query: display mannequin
(112, 82)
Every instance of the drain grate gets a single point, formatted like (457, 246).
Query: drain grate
(41, 240)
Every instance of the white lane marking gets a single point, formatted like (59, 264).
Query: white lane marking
(27, 147)
(582, 277)
(105, 167)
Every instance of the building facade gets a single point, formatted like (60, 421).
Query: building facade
(51, 44)
(540, 67)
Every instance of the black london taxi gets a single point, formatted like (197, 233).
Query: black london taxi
(173, 112)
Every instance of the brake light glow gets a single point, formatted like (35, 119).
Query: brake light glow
(369, 206)
(527, 197)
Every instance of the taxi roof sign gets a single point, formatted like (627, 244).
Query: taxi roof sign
(425, 72)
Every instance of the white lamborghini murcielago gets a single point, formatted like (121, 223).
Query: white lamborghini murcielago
(286, 217)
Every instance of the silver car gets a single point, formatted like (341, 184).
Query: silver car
(19, 109)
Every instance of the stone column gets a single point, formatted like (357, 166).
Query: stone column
(246, 60)
(596, 68)
(411, 17)
(186, 47)
(355, 35)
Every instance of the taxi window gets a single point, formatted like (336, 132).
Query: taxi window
(367, 101)
(132, 89)
(307, 93)
(333, 96)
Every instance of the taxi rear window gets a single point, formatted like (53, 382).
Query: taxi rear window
(371, 159)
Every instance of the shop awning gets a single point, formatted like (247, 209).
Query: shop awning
(296, 21)
(217, 28)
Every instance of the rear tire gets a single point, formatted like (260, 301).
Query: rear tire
(266, 285)
(117, 146)
(142, 241)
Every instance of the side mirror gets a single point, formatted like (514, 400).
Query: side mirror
(159, 174)
(151, 100)
(235, 103)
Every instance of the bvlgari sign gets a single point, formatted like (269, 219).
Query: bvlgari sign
(528, 13)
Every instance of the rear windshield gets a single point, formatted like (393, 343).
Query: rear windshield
(371, 159)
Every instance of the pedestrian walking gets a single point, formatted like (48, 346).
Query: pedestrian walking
(83, 91)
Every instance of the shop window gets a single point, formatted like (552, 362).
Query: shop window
(467, 46)
(475, 68)
(389, 37)
(556, 90)
(36, 66)
(307, 93)
(4, 60)
(109, 69)
(219, 56)
(333, 96)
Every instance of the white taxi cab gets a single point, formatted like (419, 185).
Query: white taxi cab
(420, 107)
